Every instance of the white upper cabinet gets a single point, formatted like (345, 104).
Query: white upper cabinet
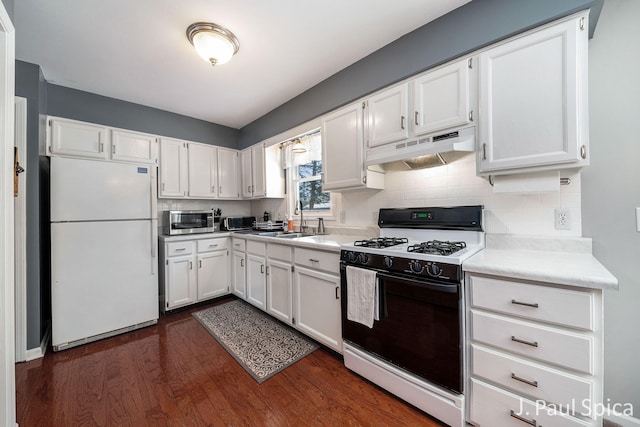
(442, 98)
(228, 174)
(202, 171)
(173, 175)
(258, 184)
(343, 151)
(533, 100)
(388, 112)
(128, 146)
(77, 139)
(262, 172)
(247, 173)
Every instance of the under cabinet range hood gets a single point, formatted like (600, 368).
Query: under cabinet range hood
(427, 151)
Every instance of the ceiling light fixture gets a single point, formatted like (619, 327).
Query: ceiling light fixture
(215, 44)
(298, 147)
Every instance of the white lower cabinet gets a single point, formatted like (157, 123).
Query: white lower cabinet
(256, 274)
(193, 270)
(239, 268)
(534, 353)
(316, 305)
(279, 281)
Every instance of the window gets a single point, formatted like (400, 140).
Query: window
(305, 177)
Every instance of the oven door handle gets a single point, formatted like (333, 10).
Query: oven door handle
(450, 288)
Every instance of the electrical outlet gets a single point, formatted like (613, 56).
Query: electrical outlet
(563, 219)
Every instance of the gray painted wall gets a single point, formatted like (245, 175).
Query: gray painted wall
(28, 85)
(89, 107)
(611, 188)
(468, 28)
(8, 5)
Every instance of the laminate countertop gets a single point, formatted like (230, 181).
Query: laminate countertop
(565, 261)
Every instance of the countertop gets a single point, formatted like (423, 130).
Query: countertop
(565, 261)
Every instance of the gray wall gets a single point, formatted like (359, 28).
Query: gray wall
(611, 188)
(30, 85)
(89, 107)
(468, 28)
(8, 5)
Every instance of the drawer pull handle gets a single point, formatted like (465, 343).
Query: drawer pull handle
(517, 378)
(213, 246)
(181, 249)
(532, 344)
(528, 304)
(314, 260)
(524, 420)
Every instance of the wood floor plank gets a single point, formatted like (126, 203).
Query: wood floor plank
(175, 374)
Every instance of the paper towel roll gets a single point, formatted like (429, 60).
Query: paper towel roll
(537, 182)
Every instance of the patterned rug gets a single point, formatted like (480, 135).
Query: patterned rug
(262, 345)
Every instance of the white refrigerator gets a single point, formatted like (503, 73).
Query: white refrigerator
(104, 265)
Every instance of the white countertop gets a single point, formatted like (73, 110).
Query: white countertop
(569, 262)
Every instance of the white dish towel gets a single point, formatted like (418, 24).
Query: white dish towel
(362, 295)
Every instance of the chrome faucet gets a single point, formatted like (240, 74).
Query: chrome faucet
(302, 226)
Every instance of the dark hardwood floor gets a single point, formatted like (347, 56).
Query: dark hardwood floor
(176, 374)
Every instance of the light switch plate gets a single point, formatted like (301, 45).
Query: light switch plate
(637, 219)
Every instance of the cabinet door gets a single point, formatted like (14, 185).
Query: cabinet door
(441, 98)
(256, 282)
(533, 99)
(279, 288)
(173, 168)
(228, 177)
(78, 139)
(343, 148)
(388, 113)
(257, 167)
(239, 284)
(246, 181)
(133, 147)
(317, 306)
(180, 281)
(213, 274)
(203, 171)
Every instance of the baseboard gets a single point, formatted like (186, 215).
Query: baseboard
(38, 352)
(620, 421)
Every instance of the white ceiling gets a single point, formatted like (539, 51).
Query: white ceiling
(137, 50)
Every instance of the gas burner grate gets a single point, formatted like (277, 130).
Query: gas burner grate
(381, 242)
(437, 247)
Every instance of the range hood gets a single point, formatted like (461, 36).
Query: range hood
(428, 151)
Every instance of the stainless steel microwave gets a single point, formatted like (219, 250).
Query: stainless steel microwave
(187, 222)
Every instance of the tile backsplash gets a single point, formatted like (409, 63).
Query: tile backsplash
(457, 184)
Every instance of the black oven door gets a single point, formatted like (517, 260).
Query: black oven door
(419, 328)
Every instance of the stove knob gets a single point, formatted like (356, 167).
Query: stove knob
(351, 256)
(416, 267)
(388, 262)
(363, 259)
(434, 270)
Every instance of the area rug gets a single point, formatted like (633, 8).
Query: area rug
(262, 345)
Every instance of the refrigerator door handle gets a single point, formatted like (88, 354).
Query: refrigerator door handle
(153, 214)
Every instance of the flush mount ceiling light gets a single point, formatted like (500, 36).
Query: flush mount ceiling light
(215, 44)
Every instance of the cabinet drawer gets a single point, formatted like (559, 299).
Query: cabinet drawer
(256, 248)
(280, 252)
(318, 260)
(543, 303)
(559, 347)
(180, 248)
(531, 379)
(239, 244)
(491, 406)
(208, 245)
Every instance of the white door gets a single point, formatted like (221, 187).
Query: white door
(136, 147)
(246, 181)
(256, 282)
(530, 91)
(173, 168)
(228, 176)
(69, 137)
(102, 278)
(203, 171)
(343, 148)
(20, 218)
(279, 288)
(441, 98)
(388, 116)
(181, 281)
(213, 274)
(239, 274)
(85, 190)
(258, 173)
(317, 306)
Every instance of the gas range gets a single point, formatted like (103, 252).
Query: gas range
(429, 242)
